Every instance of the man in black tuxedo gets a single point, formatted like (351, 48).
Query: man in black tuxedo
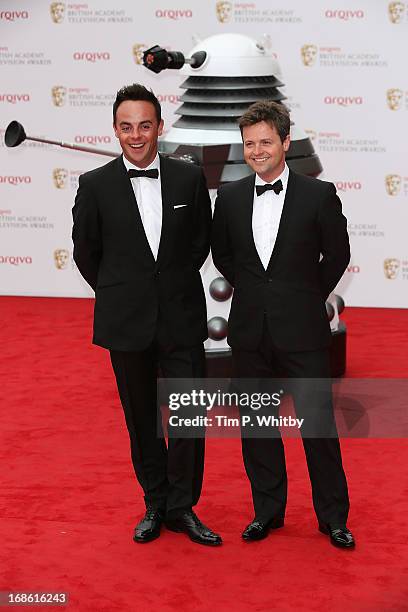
(280, 239)
(141, 234)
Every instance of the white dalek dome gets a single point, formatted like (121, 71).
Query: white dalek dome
(225, 74)
(235, 55)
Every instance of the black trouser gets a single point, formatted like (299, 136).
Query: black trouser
(171, 477)
(264, 458)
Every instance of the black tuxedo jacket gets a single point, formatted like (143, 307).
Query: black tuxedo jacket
(309, 257)
(132, 289)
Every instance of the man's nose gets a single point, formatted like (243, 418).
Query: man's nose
(135, 132)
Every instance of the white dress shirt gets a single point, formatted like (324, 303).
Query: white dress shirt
(149, 201)
(266, 215)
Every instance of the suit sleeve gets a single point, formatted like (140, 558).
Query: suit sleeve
(202, 224)
(220, 241)
(335, 246)
(86, 234)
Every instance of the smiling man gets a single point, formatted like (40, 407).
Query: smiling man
(280, 239)
(141, 234)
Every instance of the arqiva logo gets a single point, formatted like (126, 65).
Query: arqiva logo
(344, 15)
(174, 13)
(344, 100)
(13, 15)
(348, 185)
(15, 260)
(92, 56)
(12, 98)
(15, 180)
(92, 139)
(170, 98)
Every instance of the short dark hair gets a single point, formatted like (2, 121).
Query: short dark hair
(136, 92)
(274, 113)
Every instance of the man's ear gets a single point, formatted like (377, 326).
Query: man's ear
(161, 126)
(286, 143)
(115, 130)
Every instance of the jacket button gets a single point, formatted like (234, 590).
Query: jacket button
(270, 280)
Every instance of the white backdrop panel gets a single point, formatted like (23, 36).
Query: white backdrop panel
(62, 63)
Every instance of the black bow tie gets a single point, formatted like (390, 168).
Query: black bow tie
(152, 173)
(276, 187)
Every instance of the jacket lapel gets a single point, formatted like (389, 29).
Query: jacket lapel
(167, 188)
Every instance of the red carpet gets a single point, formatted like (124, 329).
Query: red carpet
(69, 500)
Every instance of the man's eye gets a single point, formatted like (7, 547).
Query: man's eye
(125, 128)
(146, 126)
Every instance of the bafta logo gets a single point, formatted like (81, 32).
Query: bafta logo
(60, 176)
(393, 184)
(224, 11)
(394, 98)
(61, 259)
(396, 12)
(391, 267)
(309, 54)
(138, 50)
(57, 10)
(58, 95)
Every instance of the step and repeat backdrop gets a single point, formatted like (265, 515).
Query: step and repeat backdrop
(343, 65)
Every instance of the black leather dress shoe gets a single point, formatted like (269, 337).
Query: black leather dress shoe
(257, 530)
(149, 527)
(189, 523)
(339, 536)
